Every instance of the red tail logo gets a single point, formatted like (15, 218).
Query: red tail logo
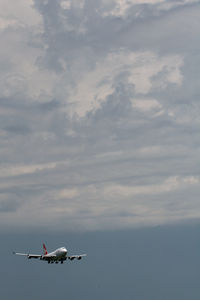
(45, 249)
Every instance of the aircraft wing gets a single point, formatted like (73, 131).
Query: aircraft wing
(28, 255)
(72, 257)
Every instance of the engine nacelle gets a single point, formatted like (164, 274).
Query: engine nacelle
(79, 257)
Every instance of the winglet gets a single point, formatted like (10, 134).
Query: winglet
(45, 249)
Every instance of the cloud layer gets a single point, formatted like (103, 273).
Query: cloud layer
(99, 113)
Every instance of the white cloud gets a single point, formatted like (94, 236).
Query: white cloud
(21, 13)
(167, 5)
(67, 194)
(146, 105)
(22, 77)
(139, 68)
(169, 185)
(114, 206)
(18, 170)
(120, 8)
(8, 22)
(66, 4)
(20, 27)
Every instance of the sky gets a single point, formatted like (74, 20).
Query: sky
(145, 264)
(99, 136)
(99, 113)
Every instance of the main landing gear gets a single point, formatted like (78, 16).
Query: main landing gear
(56, 262)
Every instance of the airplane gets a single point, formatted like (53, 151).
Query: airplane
(59, 255)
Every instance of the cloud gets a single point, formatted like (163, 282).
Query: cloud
(99, 113)
(144, 8)
(20, 15)
(135, 69)
(169, 185)
(147, 105)
(26, 169)
(67, 194)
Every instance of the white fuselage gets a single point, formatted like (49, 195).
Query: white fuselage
(57, 255)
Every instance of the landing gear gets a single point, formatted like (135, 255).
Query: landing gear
(61, 262)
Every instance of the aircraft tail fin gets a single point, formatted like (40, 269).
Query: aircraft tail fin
(45, 249)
